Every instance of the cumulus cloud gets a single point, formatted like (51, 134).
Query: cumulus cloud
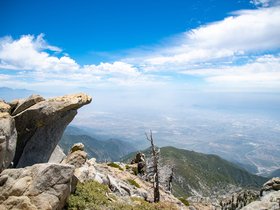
(262, 72)
(212, 53)
(34, 59)
(27, 53)
(249, 31)
(117, 68)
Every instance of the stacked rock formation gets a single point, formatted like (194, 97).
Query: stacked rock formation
(30, 130)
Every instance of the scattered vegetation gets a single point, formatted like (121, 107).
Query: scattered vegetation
(89, 195)
(93, 195)
(184, 201)
(114, 165)
(133, 182)
(135, 170)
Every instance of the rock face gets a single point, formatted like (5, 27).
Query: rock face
(57, 155)
(8, 136)
(40, 124)
(41, 186)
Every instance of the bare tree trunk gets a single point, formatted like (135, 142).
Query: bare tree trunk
(170, 180)
(155, 156)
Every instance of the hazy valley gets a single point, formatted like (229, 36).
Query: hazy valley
(250, 140)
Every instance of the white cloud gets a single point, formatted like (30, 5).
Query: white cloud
(248, 31)
(27, 53)
(29, 56)
(209, 52)
(117, 68)
(263, 72)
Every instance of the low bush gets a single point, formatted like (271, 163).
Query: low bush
(95, 196)
(133, 182)
(184, 201)
(114, 165)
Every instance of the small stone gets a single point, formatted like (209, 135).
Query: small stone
(76, 147)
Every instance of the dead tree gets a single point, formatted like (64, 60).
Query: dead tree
(155, 157)
(170, 180)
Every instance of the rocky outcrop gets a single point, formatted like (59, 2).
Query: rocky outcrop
(271, 185)
(141, 162)
(270, 196)
(41, 186)
(118, 181)
(239, 199)
(40, 124)
(270, 201)
(29, 132)
(8, 136)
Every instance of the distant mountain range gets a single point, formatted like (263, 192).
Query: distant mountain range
(9, 94)
(103, 150)
(201, 174)
(275, 173)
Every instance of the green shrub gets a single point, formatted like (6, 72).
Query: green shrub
(133, 182)
(184, 201)
(92, 195)
(114, 165)
(89, 195)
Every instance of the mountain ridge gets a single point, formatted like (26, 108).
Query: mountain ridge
(103, 150)
(204, 174)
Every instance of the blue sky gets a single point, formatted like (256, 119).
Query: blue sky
(107, 26)
(211, 45)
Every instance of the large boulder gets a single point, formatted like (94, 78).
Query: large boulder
(271, 185)
(41, 125)
(8, 136)
(41, 186)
